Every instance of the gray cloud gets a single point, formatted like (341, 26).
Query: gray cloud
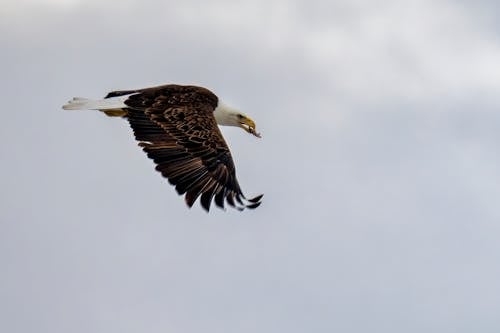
(378, 162)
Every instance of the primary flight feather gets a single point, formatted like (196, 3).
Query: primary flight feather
(177, 127)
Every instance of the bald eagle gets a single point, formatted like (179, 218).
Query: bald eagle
(176, 126)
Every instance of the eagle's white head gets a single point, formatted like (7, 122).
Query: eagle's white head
(228, 116)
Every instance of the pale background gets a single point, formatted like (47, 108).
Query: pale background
(379, 162)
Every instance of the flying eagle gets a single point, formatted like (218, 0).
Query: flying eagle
(176, 126)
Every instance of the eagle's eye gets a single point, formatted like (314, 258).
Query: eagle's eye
(240, 116)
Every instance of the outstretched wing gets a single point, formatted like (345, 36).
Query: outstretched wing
(176, 128)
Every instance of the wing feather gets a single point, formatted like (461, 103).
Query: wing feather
(176, 128)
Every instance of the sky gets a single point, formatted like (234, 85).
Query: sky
(379, 165)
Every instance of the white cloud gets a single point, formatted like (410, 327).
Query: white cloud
(423, 51)
(409, 51)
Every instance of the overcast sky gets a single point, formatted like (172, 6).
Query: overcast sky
(379, 162)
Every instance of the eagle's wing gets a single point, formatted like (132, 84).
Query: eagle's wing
(176, 128)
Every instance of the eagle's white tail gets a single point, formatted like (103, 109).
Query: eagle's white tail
(80, 103)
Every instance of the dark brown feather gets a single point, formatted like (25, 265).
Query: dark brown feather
(175, 126)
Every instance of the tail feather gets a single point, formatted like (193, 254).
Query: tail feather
(80, 103)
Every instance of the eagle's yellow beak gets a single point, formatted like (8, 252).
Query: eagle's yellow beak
(249, 125)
